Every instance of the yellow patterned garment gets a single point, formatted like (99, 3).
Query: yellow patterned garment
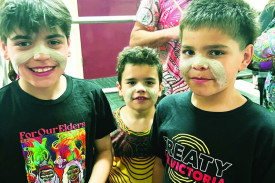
(133, 161)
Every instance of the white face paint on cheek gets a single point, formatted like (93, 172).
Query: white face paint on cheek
(41, 49)
(152, 93)
(216, 68)
(129, 93)
(184, 67)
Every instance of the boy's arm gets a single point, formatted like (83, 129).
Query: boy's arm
(103, 161)
(158, 171)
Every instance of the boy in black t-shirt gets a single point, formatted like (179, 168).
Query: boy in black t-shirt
(213, 133)
(54, 128)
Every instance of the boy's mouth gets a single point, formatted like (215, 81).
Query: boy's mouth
(200, 79)
(141, 99)
(42, 69)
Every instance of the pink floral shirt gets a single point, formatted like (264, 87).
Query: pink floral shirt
(163, 14)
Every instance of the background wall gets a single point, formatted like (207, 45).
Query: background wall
(257, 4)
(75, 65)
(101, 43)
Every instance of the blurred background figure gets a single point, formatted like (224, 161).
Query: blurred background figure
(265, 19)
(4, 79)
(267, 14)
(157, 26)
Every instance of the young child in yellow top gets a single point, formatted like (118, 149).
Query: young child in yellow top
(213, 134)
(139, 82)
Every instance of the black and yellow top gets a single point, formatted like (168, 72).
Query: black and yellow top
(133, 159)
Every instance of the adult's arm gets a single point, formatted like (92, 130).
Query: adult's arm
(104, 160)
(140, 36)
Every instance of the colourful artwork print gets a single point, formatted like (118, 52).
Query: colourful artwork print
(55, 157)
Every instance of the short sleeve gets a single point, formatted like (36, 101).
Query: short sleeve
(148, 14)
(157, 140)
(105, 122)
(266, 151)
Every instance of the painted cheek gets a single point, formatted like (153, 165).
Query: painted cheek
(218, 72)
(128, 94)
(152, 93)
(184, 68)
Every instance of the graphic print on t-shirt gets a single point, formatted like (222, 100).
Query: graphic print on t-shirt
(189, 160)
(55, 155)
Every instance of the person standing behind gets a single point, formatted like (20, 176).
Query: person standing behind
(157, 26)
(139, 74)
(266, 16)
(48, 119)
(4, 79)
(268, 86)
(213, 133)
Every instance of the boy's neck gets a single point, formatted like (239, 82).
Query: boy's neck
(49, 93)
(138, 121)
(220, 102)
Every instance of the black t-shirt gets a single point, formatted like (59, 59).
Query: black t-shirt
(51, 138)
(237, 146)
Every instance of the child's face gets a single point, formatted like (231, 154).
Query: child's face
(140, 86)
(210, 60)
(39, 59)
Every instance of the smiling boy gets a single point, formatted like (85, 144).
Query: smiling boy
(50, 120)
(213, 133)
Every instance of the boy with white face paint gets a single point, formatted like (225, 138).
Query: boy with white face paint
(213, 133)
(51, 119)
(139, 74)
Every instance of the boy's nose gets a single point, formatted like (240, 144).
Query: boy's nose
(41, 56)
(140, 88)
(200, 67)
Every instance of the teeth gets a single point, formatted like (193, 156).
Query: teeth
(42, 70)
(141, 98)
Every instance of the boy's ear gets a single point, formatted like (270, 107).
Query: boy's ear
(69, 48)
(247, 56)
(5, 50)
(119, 89)
(160, 89)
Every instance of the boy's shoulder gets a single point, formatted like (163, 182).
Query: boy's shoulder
(258, 116)
(7, 88)
(83, 83)
(177, 99)
(259, 110)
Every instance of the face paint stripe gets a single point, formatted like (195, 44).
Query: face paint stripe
(41, 49)
(129, 93)
(216, 68)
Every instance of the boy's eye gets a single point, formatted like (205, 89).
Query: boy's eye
(23, 43)
(53, 42)
(188, 52)
(149, 82)
(216, 53)
(131, 82)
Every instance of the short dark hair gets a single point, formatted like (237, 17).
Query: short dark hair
(30, 15)
(138, 56)
(233, 17)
